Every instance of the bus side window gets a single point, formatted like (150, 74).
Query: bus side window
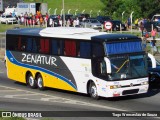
(29, 45)
(47, 46)
(99, 67)
(61, 47)
(35, 46)
(85, 49)
(103, 67)
(97, 50)
(78, 48)
(23, 44)
(12, 42)
(19, 44)
(54, 47)
(44, 46)
(70, 48)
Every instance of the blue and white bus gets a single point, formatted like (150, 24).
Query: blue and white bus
(77, 59)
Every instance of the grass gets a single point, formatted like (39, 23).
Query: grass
(5, 27)
(87, 5)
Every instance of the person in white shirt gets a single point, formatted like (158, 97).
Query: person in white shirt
(50, 22)
(77, 22)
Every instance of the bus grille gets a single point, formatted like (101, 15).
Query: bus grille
(127, 92)
(130, 85)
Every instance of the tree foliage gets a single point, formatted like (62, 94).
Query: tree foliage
(141, 8)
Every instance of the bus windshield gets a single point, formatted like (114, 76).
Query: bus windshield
(127, 67)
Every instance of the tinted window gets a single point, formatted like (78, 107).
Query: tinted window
(70, 48)
(12, 42)
(85, 49)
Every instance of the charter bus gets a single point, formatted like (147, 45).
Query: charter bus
(77, 59)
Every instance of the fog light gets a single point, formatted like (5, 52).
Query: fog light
(115, 86)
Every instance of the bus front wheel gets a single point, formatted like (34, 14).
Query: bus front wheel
(93, 91)
(40, 82)
(30, 81)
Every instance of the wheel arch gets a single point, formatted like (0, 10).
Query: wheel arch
(27, 73)
(88, 83)
(92, 89)
(36, 75)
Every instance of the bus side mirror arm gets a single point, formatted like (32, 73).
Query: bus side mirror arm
(153, 60)
(108, 65)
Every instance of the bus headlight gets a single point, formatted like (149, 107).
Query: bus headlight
(115, 86)
(144, 83)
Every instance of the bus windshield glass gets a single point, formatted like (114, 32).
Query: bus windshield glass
(127, 67)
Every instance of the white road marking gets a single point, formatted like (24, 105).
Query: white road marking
(17, 95)
(57, 99)
(9, 90)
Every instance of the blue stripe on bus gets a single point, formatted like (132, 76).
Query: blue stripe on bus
(14, 61)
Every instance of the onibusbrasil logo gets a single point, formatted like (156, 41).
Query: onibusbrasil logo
(21, 114)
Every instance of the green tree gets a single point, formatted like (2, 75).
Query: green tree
(141, 8)
(149, 7)
(111, 6)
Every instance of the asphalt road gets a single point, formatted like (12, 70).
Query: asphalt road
(18, 97)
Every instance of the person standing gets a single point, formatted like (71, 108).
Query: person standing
(68, 23)
(60, 22)
(74, 23)
(41, 21)
(77, 22)
(154, 33)
(50, 22)
(153, 41)
(141, 27)
(129, 23)
(136, 23)
(144, 39)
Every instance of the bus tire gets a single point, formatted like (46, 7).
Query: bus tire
(40, 83)
(93, 91)
(30, 81)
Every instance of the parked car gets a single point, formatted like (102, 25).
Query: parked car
(91, 23)
(157, 26)
(8, 19)
(156, 18)
(149, 25)
(68, 16)
(82, 15)
(103, 19)
(116, 25)
(154, 73)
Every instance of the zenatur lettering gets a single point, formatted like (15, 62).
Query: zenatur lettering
(38, 59)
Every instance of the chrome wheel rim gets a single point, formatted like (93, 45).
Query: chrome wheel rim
(31, 81)
(94, 91)
(40, 82)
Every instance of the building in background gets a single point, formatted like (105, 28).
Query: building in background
(9, 3)
(1, 5)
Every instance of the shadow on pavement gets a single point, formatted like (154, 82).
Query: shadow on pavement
(151, 92)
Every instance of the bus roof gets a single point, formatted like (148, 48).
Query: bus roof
(115, 37)
(70, 33)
